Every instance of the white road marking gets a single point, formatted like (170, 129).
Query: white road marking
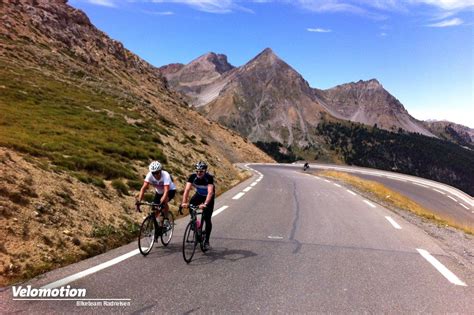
(247, 189)
(253, 184)
(327, 181)
(219, 210)
(441, 268)
(337, 185)
(464, 206)
(258, 180)
(240, 194)
(441, 192)
(392, 221)
(275, 237)
(89, 271)
(369, 203)
(420, 184)
(350, 191)
(452, 198)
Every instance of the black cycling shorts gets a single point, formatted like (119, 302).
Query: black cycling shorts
(171, 194)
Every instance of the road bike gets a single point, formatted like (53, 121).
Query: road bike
(194, 233)
(152, 229)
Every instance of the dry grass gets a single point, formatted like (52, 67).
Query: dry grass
(381, 193)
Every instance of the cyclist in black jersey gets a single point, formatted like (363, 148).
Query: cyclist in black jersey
(204, 197)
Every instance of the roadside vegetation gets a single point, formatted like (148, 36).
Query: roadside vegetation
(380, 193)
(402, 152)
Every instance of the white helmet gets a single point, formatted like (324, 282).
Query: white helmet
(155, 166)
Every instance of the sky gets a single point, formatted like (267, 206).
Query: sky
(421, 51)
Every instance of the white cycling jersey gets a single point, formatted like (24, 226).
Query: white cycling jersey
(159, 184)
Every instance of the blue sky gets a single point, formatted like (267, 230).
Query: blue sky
(421, 51)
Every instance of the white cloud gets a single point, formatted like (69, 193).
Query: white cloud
(447, 4)
(319, 30)
(383, 34)
(105, 3)
(159, 12)
(209, 6)
(447, 23)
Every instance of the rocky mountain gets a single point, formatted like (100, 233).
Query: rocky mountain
(367, 102)
(453, 132)
(199, 80)
(81, 118)
(267, 100)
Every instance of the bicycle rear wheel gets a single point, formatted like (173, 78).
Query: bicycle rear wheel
(146, 238)
(168, 228)
(189, 242)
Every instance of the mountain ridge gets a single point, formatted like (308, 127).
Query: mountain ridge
(268, 77)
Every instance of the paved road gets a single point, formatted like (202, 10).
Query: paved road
(442, 199)
(291, 242)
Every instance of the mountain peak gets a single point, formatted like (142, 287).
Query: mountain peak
(217, 61)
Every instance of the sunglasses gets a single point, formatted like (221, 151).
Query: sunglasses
(156, 173)
(199, 171)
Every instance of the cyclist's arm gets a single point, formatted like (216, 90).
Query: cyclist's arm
(142, 191)
(210, 193)
(187, 188)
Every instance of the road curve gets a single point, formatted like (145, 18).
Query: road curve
(441, 199)
(282, 241)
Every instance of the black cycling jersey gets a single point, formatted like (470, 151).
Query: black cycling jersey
(201, 183)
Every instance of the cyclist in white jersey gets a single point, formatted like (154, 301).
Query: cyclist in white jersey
(162, 181)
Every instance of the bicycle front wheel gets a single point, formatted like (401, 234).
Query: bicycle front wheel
(189, 242)
(168, 228)
(146, 238)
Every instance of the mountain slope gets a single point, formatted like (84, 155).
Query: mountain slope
(453, 132)
(81, 119)
(367, 102)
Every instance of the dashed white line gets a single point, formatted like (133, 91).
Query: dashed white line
(275, 237)
(247, 189)
(452, 198)
(240, 194)
(258, 180)
(441, 192)
(337, 185)
(350, 191)
(219, 210)
(418, 184)
(369, 203)
(327, 181)
(392, 221)
(464, 206)
(253, 184)
(441, 268)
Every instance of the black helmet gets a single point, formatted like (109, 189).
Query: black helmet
(201, 166)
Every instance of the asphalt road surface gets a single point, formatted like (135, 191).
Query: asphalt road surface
(283, 241)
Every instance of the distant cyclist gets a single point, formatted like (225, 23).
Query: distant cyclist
(306, 166)
(204, 197)
(161, 180)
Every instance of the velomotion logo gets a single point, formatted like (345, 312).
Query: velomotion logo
(62, 292)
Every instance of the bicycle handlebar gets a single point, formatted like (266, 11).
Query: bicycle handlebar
(146, 203)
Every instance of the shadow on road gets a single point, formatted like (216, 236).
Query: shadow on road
(221, 253)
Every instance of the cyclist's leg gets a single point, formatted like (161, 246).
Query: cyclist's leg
(166, 207)
(207, 217)
(157, 200)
